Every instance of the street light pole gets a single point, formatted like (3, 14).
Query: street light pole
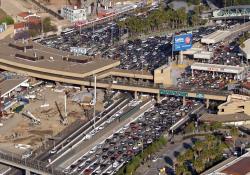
(94, 100)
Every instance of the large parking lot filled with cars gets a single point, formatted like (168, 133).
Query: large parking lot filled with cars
(119, 148)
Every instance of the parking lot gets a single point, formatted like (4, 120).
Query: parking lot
(119, 148)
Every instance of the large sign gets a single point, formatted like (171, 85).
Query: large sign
(174, 93)
(182, 42)
(78, 50)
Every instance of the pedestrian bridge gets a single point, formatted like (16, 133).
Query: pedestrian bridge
(242, 11)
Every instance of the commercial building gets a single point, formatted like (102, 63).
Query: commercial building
(235, 104)
(233, 166)
(227, 119)
(203, 55)
(238, 72)
(74, 14)
(246, 49)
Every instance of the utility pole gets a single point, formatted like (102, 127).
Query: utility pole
(65, 105)
(94, 100)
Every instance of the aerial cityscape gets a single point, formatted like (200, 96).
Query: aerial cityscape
(124, 87)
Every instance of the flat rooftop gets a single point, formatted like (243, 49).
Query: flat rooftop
(217, 68)
(6, 86)
(238, 166)
(225, 118)
(53, 60)
(246, 49)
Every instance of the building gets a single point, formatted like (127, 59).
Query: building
(238, 72)
(232, 166)
(27, 16)
(19, 27)
(235, 104)
(238, 119)
(246, 49)
(74, 14)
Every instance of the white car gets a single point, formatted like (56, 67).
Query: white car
(115, 164)
(88, 136)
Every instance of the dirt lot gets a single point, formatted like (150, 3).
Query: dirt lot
(2, 14)
(19, 129)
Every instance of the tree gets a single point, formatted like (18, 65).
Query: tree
(234, 133)
(189, 154)
(199, 166)
(181, 170)
(215, 126)
(47, 26)
(180, 159)
(198, 146)
(8, 20)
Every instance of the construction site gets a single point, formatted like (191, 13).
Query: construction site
(48, 110)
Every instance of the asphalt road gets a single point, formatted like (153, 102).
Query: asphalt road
(84, 147)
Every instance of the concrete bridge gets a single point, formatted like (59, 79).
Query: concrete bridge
(28, 164)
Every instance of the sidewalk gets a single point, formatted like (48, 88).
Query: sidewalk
(7, 32)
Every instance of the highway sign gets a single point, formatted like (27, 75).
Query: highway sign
(183, 42)
(78, 50)
(175, 93)
(199, 95)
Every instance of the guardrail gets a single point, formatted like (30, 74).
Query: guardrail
(28, 164)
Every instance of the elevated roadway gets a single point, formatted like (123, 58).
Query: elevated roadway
(134, 87)
(126, 73)
(28, 165)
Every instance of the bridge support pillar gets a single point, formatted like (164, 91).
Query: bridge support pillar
(158, 98)
(82, 88)
(207, 103)
(136, 95)
(184, 101)
(27, 172)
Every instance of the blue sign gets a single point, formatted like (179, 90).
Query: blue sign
(183, 42)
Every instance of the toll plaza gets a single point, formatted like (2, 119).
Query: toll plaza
(239, 73)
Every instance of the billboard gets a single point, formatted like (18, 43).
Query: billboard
(182, 42)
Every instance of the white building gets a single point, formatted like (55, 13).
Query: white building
(239, 72)
(74, 14)
(246, 49)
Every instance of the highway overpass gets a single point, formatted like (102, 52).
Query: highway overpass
(126, 86)
(28, 165)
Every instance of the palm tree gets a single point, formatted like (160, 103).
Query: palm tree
(234, 133)
(189, 154)
(210, 140)
(199, 147)
(199, 166)
(181, 170)
(180, 159)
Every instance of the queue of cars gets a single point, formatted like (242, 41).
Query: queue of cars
(107, 157)
(93, 41)
(204, 80)
(140, 54)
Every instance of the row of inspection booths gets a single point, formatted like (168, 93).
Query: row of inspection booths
(239, 73)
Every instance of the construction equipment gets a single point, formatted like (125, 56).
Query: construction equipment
(32, 117)
(63, 119)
